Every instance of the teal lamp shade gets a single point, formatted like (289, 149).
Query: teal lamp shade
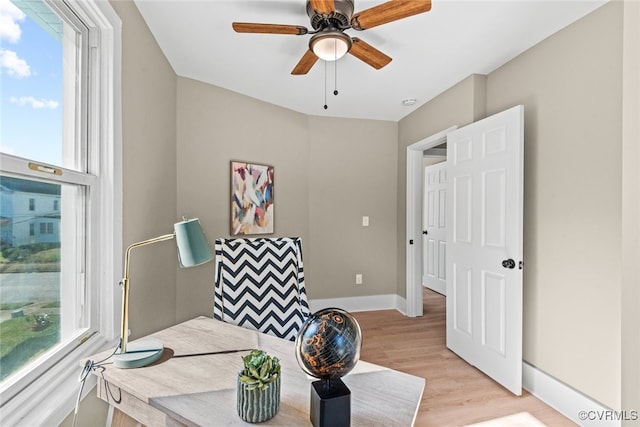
(193, 248)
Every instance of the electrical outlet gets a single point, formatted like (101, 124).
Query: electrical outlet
(359, 279)
(365, 221)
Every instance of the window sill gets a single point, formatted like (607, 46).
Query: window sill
(52, 397)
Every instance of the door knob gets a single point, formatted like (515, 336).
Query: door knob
(509, 263)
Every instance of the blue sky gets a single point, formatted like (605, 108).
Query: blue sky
(30, 88)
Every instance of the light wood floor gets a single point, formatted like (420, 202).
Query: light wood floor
(456, 393)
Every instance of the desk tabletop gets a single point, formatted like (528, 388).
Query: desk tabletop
(194, 387)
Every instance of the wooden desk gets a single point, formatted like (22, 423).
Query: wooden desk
(188, 387)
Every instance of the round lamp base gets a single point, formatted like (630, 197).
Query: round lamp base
(139, 354)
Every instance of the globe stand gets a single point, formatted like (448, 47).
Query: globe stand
(330, 403)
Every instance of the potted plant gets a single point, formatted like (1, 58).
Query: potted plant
(258, 392)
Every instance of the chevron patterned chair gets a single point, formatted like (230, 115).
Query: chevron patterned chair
(259, 284)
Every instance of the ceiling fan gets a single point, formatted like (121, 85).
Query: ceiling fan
(329, 19)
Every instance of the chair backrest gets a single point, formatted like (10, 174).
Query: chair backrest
(259, 284)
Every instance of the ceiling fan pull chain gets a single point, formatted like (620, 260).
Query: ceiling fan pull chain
(335, 78)
(325, 85)
(335, 68)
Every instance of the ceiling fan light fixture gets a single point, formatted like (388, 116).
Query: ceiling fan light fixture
(330, 45)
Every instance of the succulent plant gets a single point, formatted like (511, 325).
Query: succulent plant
(259, 370)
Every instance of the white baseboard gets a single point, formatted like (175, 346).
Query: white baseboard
(574, 405)
(365, 303)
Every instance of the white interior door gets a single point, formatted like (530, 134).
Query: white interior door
(484, 245)
(434, 239)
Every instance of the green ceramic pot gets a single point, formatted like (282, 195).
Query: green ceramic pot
(256, 406)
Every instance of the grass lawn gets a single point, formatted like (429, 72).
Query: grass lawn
(19, 342)
(15, 331)
(13, 305)
(35, 258)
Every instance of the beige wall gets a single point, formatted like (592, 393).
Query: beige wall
(570, 85)
(328, 174)
(631, 209)
(149, 172)
(351, 174)
(216, 126)
(93, 412)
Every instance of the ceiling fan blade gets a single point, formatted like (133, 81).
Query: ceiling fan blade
(369, 54)
(306, 62)
(323, 7)
(251, 27)
(387, 12)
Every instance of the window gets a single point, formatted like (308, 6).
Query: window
(45, 228)
(33, 86)
(60, 248)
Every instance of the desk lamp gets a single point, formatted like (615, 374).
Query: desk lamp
(193, 250)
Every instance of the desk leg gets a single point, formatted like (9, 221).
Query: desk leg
(120, 419)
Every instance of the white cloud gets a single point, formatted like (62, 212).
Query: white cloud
(15, 66)
(34, 103)
(9, 17)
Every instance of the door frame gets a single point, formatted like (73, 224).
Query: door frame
(415, 172)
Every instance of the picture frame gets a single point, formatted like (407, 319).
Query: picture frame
(252, 198)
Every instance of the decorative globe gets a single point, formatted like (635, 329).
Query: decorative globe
(328, 344)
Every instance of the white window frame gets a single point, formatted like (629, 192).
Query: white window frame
(46, 394)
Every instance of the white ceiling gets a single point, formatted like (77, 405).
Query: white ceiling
(431, 52)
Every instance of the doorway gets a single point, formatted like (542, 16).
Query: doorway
(484, 216)
(434, 224)
(413, 244)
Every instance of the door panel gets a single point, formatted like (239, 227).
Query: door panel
(442, 259)
(493, 326)
(493, 209)
(461, 295)
(484, 310)
(462, 220)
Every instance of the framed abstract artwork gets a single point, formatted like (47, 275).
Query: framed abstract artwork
(252, 207)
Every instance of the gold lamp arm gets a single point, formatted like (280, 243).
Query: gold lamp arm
(124, 327)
